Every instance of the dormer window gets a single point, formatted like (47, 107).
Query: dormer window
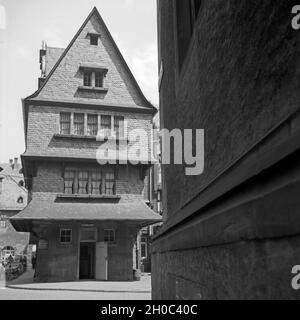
(93, 76)
(87, 78)
(94, 39)
(99, 79)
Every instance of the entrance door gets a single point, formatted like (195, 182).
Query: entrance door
(101, 261)
(87, 260)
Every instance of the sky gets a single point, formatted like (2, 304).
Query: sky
(24, 24)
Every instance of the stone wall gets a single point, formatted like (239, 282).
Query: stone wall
(60, 262)
(232, 232)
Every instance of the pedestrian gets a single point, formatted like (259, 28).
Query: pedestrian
(33, 261)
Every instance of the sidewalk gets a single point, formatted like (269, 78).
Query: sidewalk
(25, 282)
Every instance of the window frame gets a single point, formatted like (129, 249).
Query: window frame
(63, 122)
(76, 122)
(92, 132)
(94, 37)
(144, 243)
(99, 79)
(117, 128)
(61, 230)
(94, 176)
(107, 129)
(87, 78)
(108, 238)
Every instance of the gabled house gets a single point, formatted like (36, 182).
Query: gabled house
(85, 214)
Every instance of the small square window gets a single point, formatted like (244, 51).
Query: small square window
(93, 40)
(109, 235)
(65, 236)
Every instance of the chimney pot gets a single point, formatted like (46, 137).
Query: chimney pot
(11, 162)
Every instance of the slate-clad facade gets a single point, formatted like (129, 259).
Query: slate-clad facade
(85, 216)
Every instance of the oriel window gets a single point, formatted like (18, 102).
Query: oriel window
(87, 78)
(65, 123)
(79, 124)
(92, 124)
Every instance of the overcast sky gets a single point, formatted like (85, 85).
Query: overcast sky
(23, 26)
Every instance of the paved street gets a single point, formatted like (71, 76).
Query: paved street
(20, 294)
(24, 288)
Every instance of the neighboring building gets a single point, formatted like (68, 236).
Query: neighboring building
(13, 198)
(232, 69)
(85, 217)
(153, 196)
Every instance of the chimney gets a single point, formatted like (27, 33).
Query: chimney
(15, 163)
(11, 163)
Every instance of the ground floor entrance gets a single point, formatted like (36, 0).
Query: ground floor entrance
(93, 260)
(87, 261)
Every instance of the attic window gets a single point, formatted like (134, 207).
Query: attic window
(99, 79)
(20, 200)
(94, 40)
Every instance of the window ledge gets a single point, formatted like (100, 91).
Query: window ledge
(88, 196)
(95, 89)
(75, 136)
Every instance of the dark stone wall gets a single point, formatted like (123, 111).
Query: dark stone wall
(240, 78)
(233, 231)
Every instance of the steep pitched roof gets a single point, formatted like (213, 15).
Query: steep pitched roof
(125, 90)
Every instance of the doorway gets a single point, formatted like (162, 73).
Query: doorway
(87, 260)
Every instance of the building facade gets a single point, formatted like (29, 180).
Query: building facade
(232, 69)
(13, 198)
(86, 199)
(153, 196)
